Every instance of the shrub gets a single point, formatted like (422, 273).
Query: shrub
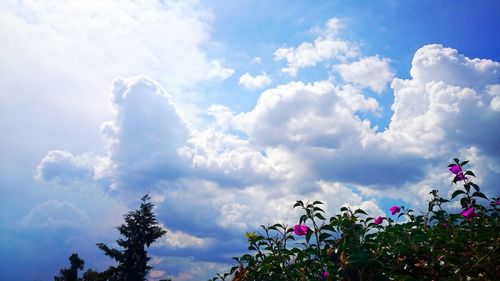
(435, 245)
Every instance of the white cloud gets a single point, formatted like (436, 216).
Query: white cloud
(62, 167)
(190, 269)
(55, 214)
(318, 114)
(324, 47)
(67, 52)
(221, 156)
(179, 239)
(331, 28)
(448, 104)
(372, 72)
(494, 92)
(218, 71)
(157, 274)
(440, 64)
(250, 82)
(142, 141)
(246, 208)
(146, 133)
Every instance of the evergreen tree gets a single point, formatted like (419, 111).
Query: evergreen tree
(139, 231)
(71, 273)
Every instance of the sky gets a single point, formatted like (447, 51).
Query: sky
(227, 112)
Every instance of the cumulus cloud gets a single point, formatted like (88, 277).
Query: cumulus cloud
(448, 104)
(284, 115)
(144, 138)
(440, 64)
(228, 214)
(250, 82)
(370, 72)
(142, 141)
(494, 92)
(63, 167)
(188, 268)
(226, 157)
(326, 46)
(179, 239)
(218, 71)
(56, 215)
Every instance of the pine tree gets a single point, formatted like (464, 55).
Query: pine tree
(71, 273)
(139, 231)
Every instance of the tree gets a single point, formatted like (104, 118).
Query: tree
(140, 230)
(71, 273)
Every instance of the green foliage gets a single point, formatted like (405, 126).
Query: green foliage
(140, 230)
(436, 245)
(71, 273)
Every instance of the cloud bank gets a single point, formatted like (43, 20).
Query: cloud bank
(300, 141)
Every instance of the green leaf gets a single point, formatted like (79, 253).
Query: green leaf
(464, 202)
(328, 227)
(344, 209)
(233, 269)
(470, 173)
(308, 235)
(476, 187)
(479, 194)
(318, 209)
(302, 219)
(323, 236)
(359, 211)
(464, 163)
(298, 203)
(456, 161)
(456, 193)
(467, 187)
(319, 216)
(317, 202)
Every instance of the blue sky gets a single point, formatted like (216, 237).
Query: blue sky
(227, 112)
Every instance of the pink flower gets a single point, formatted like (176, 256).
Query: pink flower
(455, 169)
(469, 213)
(394, 210)
(460, 177)
(324, 274)
(300, 229)
(378, 220)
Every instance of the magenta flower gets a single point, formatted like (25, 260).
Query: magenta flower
(455, 169)
(378, 220)
(460, 177)
(498, 201)
(469, 213)
(300, 229)
(394, 210)
(324, 274)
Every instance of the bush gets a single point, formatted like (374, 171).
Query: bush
(435, 245)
